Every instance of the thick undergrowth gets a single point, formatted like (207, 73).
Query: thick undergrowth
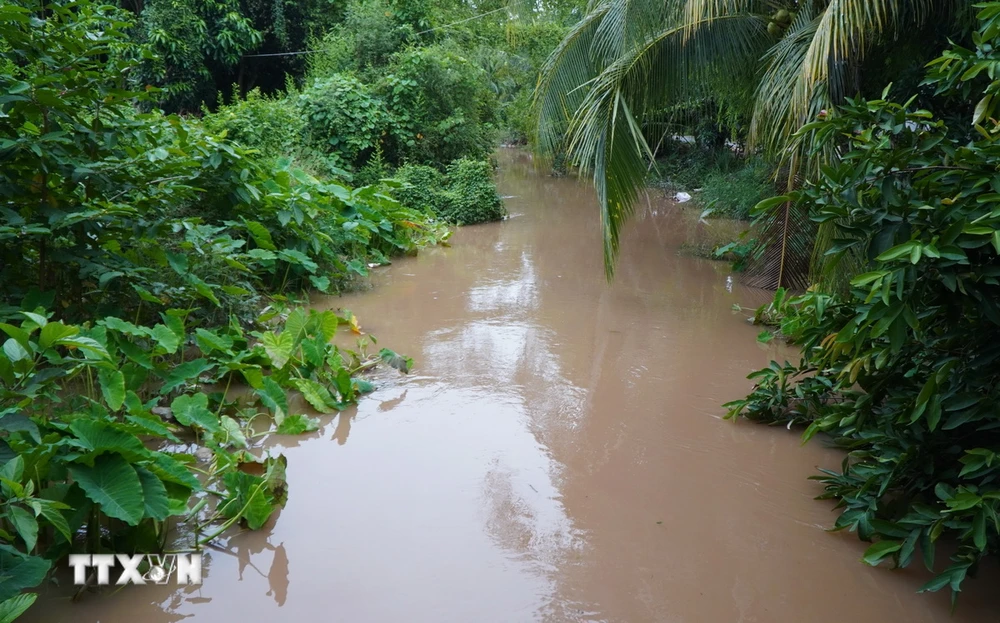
(900, 369)
(149, 265)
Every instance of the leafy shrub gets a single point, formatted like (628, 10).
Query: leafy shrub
(271, 125)
(184, 38)
(423, 188)
(465, 195)
(901, 372)
(519, 118)
(375, 31)
(334, 54)
(739, 252)
(471, 196)
(79, 403)
(685, 167)
(343, 119)
(441, 107)
(369, 34)
(734, 193)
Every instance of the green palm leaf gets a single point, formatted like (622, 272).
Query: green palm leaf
(602, 93)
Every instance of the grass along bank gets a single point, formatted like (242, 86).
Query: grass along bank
(723, 185)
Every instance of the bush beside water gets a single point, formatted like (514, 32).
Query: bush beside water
(464, 195)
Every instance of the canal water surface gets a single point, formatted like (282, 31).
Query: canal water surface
(558, 453)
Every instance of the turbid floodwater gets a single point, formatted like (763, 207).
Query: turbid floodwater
(557, 454)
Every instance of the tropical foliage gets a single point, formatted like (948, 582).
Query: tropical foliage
(151, 261)
(138, 250)
(614, 87)
(900, 370)
(464, 194)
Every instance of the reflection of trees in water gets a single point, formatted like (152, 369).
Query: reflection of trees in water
(248, 549)
(343, 426)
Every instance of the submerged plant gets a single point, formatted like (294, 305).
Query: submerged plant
(135, 252)
(97, 424)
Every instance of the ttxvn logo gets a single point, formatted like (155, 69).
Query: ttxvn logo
(187, 567)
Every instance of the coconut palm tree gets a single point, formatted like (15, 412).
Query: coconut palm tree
(602, 93)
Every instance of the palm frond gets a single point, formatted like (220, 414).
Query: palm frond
(783, 260)
(563, 79)
(607, 133)
(603, 94)
(775, 116)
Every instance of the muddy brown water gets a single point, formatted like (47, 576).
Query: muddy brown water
(558, 454)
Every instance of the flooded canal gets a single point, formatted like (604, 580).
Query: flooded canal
(558, 454)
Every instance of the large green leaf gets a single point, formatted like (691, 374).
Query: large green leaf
(317, 395)
(18, 572)
(113, 484)
(52, 511)
(327, 322)
(19, 335)
(169, 469)
(25, 524)
(18, 422)
(165, 338)
(189, 371)
(12, 471)
(394, 359)
(123, 326)
(248, 498)
(81, 342)
(53, 332)
(274, 398)
(112, 387)
(154, 495)
(278, 347)
(234, 434)
(14, 351)
(298, 424)
(193, 411)
(261, 235)
(151, 424)
(97, 437)
(314, 350)
(209, 341)
(14, 607)
(295, 324)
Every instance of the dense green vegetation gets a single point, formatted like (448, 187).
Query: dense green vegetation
(900, 369)
(633, 73)
(177, 174)
(156, 237)
(888, 228)
(111, 213)
(404, 85)
(463, 194)
(395, 84)
(722, 182)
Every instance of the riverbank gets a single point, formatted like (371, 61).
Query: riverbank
(557, 454)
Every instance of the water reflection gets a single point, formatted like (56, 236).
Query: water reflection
(249, 553)
(343, 427)
(557, 454)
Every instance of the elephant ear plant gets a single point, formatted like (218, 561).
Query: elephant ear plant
(901, 371)
(98, 423)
